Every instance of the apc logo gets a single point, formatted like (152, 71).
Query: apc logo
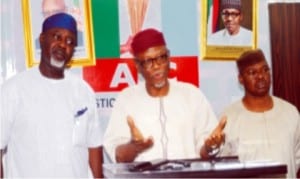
(112, 75)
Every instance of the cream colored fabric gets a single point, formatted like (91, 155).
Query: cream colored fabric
(271, 135)
(189, 120)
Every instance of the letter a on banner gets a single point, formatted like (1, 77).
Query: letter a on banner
(122, 75)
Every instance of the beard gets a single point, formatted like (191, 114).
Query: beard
(160, 85)
(56, 63)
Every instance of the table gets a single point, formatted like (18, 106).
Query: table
(223, 167)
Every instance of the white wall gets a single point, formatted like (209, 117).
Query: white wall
(218, 79)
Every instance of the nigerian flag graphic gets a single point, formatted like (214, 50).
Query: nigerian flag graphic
(213, 10)
(115, 22)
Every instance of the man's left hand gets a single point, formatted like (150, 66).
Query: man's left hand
(217, 137)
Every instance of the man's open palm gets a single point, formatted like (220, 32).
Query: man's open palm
(136, 134)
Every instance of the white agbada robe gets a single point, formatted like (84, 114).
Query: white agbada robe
(47, 126)
(272, 135)
(189, 120)
(222, 37)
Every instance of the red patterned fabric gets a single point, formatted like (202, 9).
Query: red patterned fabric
(146, 39)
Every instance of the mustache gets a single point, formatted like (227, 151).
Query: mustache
(60, 51)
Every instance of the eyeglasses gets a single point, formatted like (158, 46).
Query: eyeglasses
(148, 63)
(232, 14)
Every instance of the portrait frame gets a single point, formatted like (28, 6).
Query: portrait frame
(225, 51)
(84, 54)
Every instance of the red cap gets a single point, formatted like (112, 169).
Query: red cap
(146, 39)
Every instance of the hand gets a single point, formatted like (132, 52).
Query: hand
(129, 151)
(136, 134)
(126, 47)
(217, 137)
(137, 137)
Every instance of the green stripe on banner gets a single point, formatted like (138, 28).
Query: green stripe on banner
(209, 5)
(106, 28)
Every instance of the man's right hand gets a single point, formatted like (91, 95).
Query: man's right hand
(129, 151)
(137, 137)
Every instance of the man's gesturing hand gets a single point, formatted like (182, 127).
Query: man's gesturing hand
(137, 137)
(216, 138)
(129, 151)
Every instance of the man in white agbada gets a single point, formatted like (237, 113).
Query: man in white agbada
(233, 33)
(49, 124)
(261, 126)
(175, 116)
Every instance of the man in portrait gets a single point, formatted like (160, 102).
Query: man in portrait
(51, 7)
(233, 33)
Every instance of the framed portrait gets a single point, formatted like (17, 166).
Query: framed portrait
(34, 13)
(228, 29)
